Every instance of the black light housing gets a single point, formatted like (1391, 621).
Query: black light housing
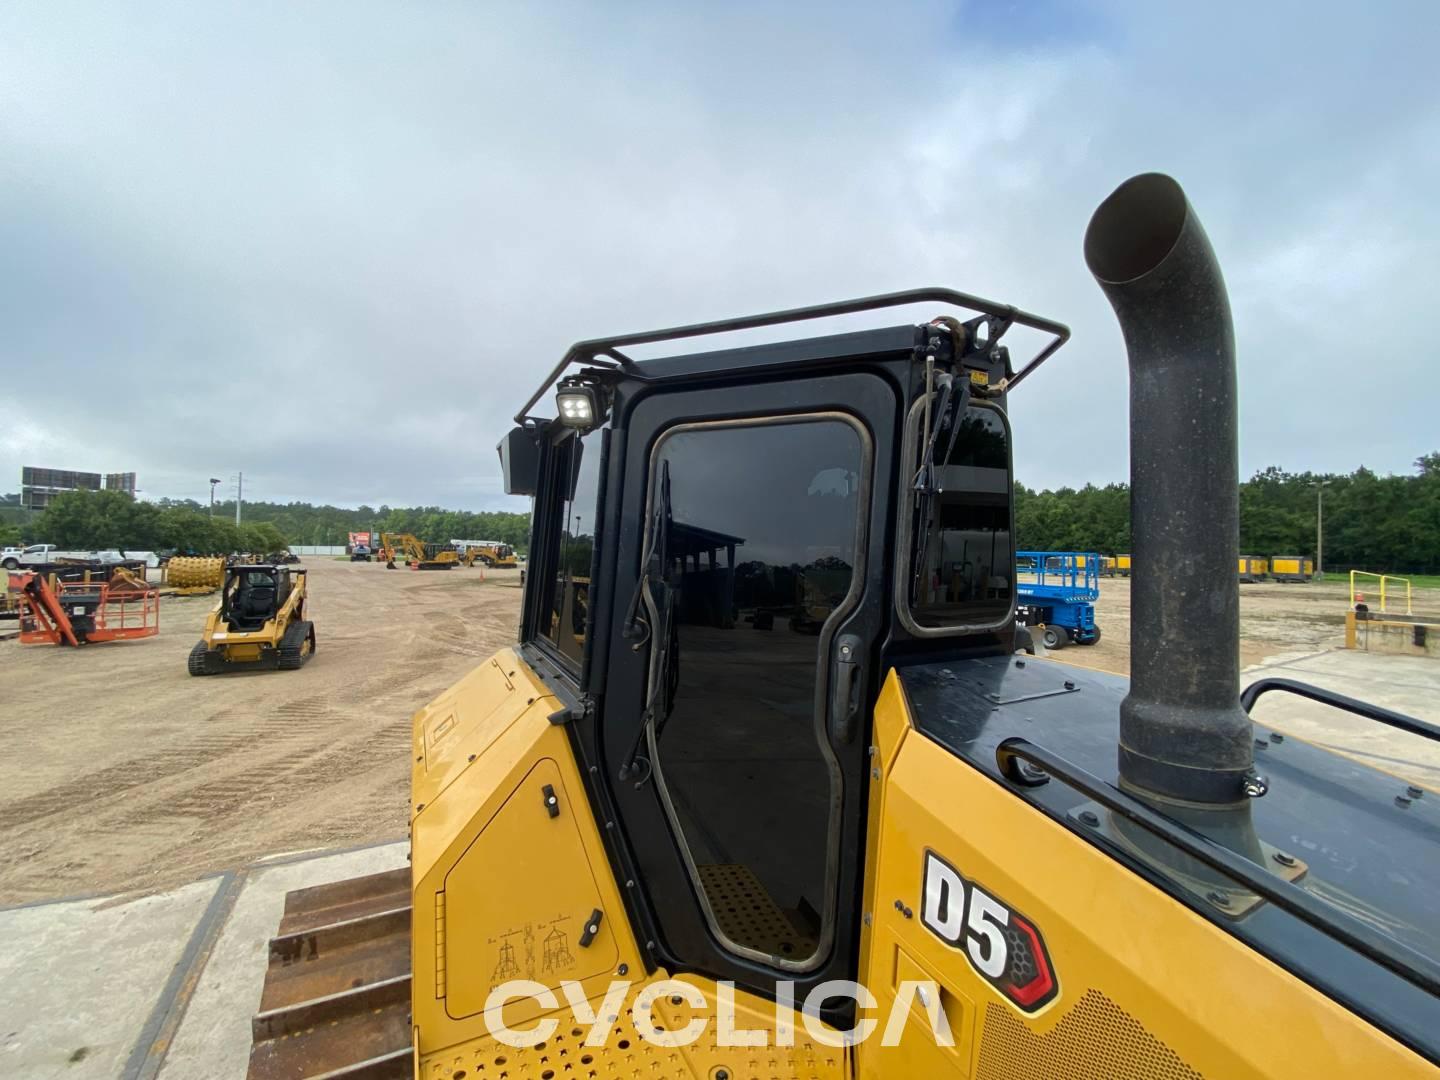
(578, 404)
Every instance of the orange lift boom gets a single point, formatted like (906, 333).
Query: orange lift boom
(83, 612)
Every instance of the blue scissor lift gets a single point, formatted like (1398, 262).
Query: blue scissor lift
(1058, 590)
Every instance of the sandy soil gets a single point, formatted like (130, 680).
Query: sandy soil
(1273, 619)
(123, 772)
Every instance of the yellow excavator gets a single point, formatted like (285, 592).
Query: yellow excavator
(491, 553)
(415, 553)
(685, 841)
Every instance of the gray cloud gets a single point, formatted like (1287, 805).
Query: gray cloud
(336, 246)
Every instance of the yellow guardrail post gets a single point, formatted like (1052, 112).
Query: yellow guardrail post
(1384, 595)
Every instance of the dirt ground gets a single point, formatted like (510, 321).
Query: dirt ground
(122, 772)
(1274, 619)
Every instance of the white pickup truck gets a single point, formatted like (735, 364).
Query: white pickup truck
(41, 554)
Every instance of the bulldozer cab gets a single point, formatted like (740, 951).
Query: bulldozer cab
(724, 659)
(253, 595)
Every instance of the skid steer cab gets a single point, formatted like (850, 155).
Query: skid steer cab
(259, 623)
(765, 790)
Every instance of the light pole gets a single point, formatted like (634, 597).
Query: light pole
(213, 481)
(1320, 527)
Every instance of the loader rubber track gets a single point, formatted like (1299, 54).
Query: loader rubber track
(202, 661)
(296, 647)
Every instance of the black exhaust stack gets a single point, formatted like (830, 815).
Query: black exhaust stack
(1183, 735)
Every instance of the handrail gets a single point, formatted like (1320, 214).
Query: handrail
(1412, 966)
(1377, 713)
(586, 351)
(1383, 578)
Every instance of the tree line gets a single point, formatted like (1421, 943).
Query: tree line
(1371, 522)
(105, 520)
(97, 520)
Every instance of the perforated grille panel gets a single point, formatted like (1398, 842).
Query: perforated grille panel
(747, 915)
(1096, 1040)
(625, 1054)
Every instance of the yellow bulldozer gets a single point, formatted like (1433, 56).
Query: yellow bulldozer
(682, 841)
(259, 622)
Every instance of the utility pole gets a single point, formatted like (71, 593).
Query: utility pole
(213, 481)
(1320, 527)
(239, 495)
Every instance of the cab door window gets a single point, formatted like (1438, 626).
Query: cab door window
(763, 524)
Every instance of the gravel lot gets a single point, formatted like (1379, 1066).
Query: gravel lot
(122, 772)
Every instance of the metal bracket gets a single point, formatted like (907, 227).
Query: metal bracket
(1219, 892)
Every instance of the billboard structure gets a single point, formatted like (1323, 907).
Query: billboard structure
(38, 487)
(120, 481)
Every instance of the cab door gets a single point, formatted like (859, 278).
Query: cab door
(750, 585)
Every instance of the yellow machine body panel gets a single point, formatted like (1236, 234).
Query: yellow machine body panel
(506, 884)
(1145, 988)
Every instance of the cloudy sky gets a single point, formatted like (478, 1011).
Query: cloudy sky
(336, 245)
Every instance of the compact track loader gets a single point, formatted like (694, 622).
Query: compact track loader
(259, 622)
(668, 834)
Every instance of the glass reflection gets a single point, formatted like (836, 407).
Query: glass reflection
(760, 551)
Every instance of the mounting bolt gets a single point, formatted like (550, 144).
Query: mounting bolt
(419, 807)
(1402, 801)
(473, 756)
(865, 918)
(1261, 744)
(1275, 736)
(676, 999)
(623, 969)
(1283, 858)
(722, 1074)
(874, 774)
(1069, 684)
(1254, 785)
(1414, 792)
(1089, 817)
(1218, 897)
(630, 883)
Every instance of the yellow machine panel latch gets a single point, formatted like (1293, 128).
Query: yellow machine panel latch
(522, 902)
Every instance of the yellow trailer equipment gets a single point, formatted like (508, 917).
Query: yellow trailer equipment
(1291, 568)
(1253, 568)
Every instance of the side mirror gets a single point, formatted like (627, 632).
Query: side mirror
(520, 462)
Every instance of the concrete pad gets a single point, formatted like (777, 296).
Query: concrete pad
(79, 979)
(213, 1040)
(1405, 684)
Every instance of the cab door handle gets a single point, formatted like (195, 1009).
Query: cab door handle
(849, 669)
